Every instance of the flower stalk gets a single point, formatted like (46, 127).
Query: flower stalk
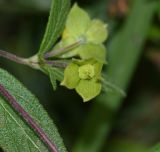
(33, 61)
(63, 50)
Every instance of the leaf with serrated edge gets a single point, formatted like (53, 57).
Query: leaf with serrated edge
(15, 134)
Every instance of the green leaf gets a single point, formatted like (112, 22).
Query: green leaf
(53, 81)
(97, 52)
(88, 89)
(58, 73)
(57, 18)
(71, 76)
(77, 22)
(15, 134)
(55, 75)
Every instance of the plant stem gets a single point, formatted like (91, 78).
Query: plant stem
(29, 62)
(33, 62)
(12, 57)
(61, 51)
(18, 108)
(57, 63)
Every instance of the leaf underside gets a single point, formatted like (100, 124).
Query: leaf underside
(15, 134)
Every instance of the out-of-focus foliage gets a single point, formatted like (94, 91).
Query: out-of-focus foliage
(136, 124)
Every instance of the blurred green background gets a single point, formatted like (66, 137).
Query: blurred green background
(109, 123)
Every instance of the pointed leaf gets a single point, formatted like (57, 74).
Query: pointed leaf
(15, 134)
(57, 18)
(54, 75)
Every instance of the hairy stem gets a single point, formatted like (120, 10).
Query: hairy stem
(13, 57)
(32, 61)
(29, 62)
(63, 50)
(18, 108)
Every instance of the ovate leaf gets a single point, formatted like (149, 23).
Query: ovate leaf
(15, 134)
(57, 18)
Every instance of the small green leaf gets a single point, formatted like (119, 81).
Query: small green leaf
(57, 18)
(97, 52)
(54, 75)
(71, 76)
(53, 81)
(77, 22)
(15, 134)
(88, 89)
(97, 32)
(58, 73)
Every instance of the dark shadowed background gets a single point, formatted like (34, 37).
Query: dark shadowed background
(108, 123)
